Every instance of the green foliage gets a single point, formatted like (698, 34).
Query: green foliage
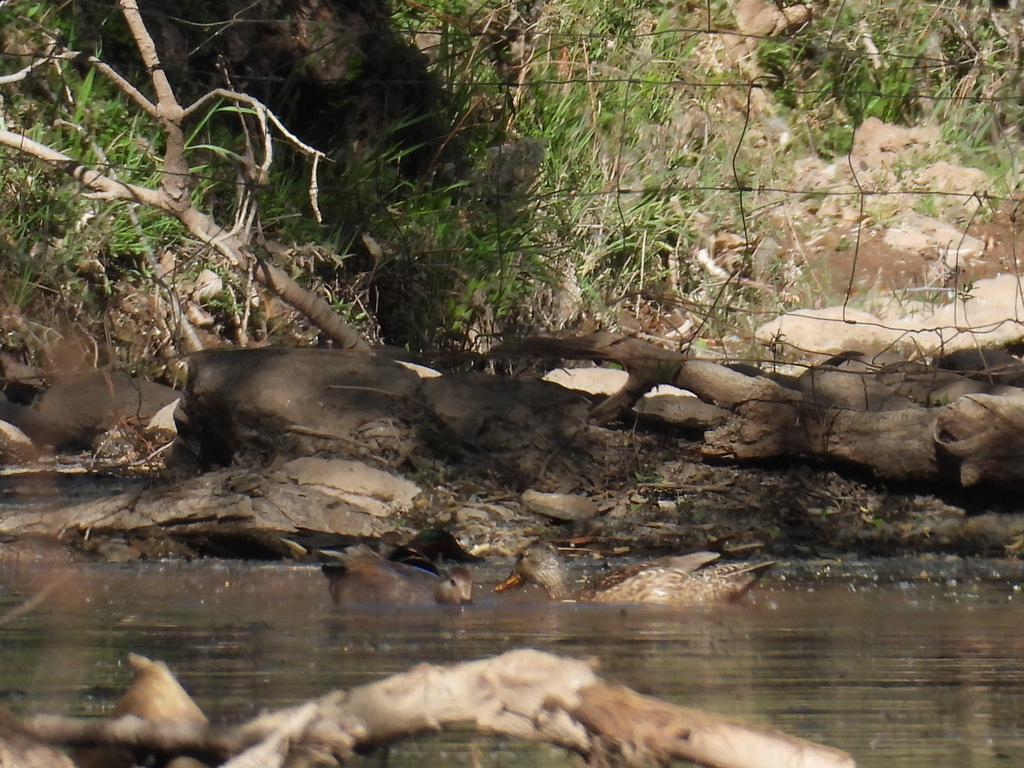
(843, 72)
(588, 152)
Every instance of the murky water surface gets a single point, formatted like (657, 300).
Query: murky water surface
(909, 674)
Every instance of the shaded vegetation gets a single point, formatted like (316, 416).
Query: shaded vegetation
(494, 169)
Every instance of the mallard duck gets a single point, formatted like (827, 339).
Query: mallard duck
(429, 547)
(675, 581)
(364, 577)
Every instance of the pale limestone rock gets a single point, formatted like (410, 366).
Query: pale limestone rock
(594, 381)
(560, 506)
(816, 333)
(933, 237)
(14, 444)
(162, 425)
(376, 492)
(420, 370)
(990, 314)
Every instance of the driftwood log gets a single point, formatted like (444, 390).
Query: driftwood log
(902, 422)
(523, 694)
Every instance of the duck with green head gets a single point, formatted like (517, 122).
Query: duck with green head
(430, 547)
(681, 581)
(364, 577)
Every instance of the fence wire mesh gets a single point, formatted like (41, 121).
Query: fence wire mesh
(685, 172)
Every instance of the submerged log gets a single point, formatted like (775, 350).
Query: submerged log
(523, 694)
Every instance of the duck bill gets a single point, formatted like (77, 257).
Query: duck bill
(514, 580)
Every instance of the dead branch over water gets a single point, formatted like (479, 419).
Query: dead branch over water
(523, 694)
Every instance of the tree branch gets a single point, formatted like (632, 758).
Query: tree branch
(523, 694)
(103, 187)
(173, 193)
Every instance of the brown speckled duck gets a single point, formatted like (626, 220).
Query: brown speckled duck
(364, 577)
(681, 581)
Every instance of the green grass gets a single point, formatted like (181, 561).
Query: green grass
(634, 134)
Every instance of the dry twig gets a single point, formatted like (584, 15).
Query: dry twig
(172, 195)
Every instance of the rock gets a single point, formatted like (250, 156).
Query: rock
(594, 381)
(564, 507)
(210, 508)
(35, 548)
(813, 334)
(253, 406)
(928, 236)
(420, 370)
(15, 445)
(377, 493)
(76, 409)
(162, 426)
(990, 314)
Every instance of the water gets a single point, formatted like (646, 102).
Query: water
(910, 674)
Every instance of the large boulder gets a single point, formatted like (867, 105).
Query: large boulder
(262, 407)
(76, 409)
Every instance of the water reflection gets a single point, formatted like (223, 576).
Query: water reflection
(910, 674)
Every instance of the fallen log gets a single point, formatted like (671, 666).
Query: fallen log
(904, 421)
(982, 437)
(524, 694)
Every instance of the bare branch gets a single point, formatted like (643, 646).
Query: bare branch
(173, 193)
(113, 76)
(167, 105)
(24, 72)
(264, 113)
(104, 188)
(523, 694)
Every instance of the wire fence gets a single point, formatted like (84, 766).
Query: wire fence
(686, 173)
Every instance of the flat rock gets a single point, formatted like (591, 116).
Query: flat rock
(990, 314)
(817, 333)
(594, 381)
(222, 504)
(928, 236)
(15, 445)
(374, 491)
(564, 507)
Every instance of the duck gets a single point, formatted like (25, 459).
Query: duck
(365, 577)
(679, 581)
(429, 547)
